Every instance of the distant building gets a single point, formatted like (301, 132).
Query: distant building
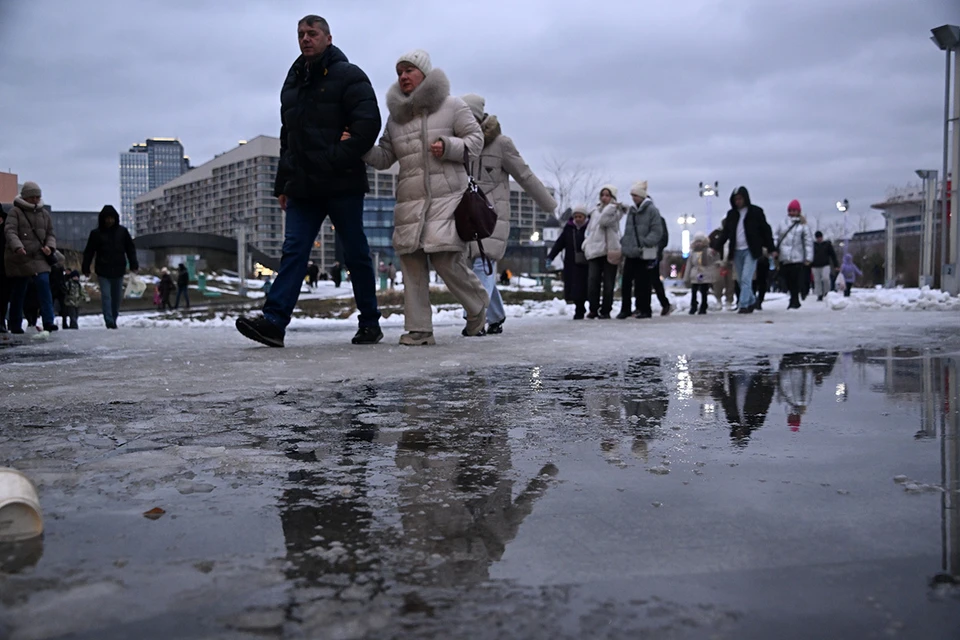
(236, 187)
(903, 208)
(72, 228)
(525, 216)
(145, 166)
(9, 188)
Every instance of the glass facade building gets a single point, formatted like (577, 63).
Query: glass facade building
(145, 166)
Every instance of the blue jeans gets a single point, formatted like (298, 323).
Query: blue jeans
(182, 292)
(495, 312)
(745, 266)
(303, 224)
(111, 292)
(18, 292)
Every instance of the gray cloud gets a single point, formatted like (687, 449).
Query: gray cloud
(818, 101)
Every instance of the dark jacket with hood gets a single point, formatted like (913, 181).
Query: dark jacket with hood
(824, 255)
(319, 101)
(574, 275)
(758, 232)
(112, 246)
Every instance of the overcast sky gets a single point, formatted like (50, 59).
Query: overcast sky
(818, 100)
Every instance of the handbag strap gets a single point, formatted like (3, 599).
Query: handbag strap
(785, 234)
(43, 242)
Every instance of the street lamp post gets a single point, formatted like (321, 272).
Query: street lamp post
(947, 38)
(843, 206)
(709, 191)
(685, 221)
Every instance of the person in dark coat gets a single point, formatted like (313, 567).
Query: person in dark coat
(110, 249)
(575, 265)
(165, 287)
(313, 274)
(183, 285)
(336, 274)
(4, 283)
(824, 265)
(329, 119)
(745, 228)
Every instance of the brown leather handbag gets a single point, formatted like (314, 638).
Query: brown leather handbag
(475, 217)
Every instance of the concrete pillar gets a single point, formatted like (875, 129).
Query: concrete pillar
(926, 240)
(951, 275)
(950, 460)
(890, 273)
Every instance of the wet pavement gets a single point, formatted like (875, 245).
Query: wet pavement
(803, 493)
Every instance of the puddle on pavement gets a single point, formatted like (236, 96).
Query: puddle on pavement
(676, 498)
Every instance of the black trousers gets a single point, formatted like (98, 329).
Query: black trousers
(793, 277)
(658, 287)
(702, 290)
(4, 299)
(637, 277)
(601, 274)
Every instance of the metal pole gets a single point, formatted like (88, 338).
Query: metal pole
(943, 175)
(891, 267)
(955, 171)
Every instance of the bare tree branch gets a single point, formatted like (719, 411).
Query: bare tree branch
(572, 183)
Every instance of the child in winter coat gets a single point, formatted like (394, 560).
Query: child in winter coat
(702, 270)
(72, 299)
(165, 287)
(850, 273)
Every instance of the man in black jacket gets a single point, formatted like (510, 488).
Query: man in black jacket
(113, 248)
(321, 173)
(824, 264)
(746, 228)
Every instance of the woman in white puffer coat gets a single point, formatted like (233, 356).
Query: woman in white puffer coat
(602, 250)
(427, 132)
(795, 251)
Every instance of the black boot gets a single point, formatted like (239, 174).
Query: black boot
(703, 309)
(693, 307)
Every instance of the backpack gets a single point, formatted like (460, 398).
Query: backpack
(665, 239)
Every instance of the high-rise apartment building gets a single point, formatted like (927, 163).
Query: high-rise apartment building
(525, 216)
(145, 166)
(236, 187)
(9, 187)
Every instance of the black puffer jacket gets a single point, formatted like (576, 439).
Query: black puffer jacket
(758, 232)
(319, 101)
(112, 246)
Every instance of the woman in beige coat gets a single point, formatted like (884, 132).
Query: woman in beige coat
(498, 162)
(427, 132)
(29, 240)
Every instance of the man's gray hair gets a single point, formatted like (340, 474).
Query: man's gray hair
(315, 21)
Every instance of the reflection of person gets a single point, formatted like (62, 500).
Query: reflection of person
(498, 162)
(745, 396)
(575, 269)
(645, 401)
(428, 133)
(109, 249)
(798, 375)
(29, 242)
(321, 174)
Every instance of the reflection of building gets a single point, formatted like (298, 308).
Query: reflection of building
(236, 187)
(146, 166)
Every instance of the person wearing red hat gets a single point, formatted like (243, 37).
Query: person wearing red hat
(794, 248)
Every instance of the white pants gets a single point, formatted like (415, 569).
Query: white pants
(821, 280)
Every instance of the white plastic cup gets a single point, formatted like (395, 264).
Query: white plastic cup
(20, 515)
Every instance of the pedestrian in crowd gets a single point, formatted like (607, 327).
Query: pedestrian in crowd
(384, 275)
(321, 173)
(392, 274)
(700, 272)
(58, 290)
(110, 250)
(428, 132)
(313, 274)
(575, 268)
(850, 273)
(492, 170)
(656, 280)
(505, 277)
(183, 286)
(723, 286)
(745, 228)
(794, 249)
(824, 265)
(640, 244)
(74, 297)
(31, 306)
(336, 274)
(4, 282)
(165, 288)
(28, 253)
(603, 252)
(762, 274)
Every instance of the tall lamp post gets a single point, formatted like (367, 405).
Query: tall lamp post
(685, 221)
(708, 191)
(843, 206)
(947, 38)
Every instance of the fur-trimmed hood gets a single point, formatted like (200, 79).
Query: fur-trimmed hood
(427, 98)
(491, 129)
